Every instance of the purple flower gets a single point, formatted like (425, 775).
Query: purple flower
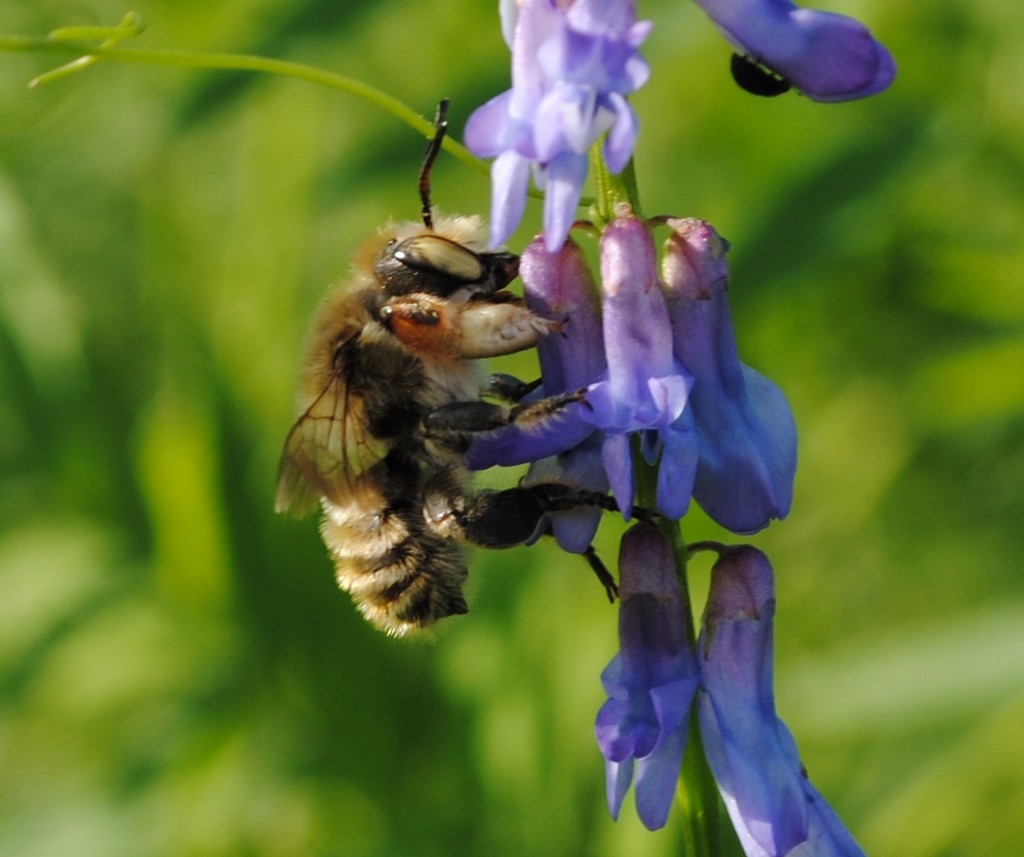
(564, 449)
(752, 754)
(558, 286)
(641, 728)
(646, 388)
(828, 57)
(745, 429)
(651, 683)
(573, 61)
(634, 384)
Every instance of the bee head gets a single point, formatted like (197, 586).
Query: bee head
(431, 263)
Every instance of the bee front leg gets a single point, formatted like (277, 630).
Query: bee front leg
(474, 417)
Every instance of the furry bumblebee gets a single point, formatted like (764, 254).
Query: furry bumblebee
(389, 400)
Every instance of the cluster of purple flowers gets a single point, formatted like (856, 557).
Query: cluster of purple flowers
(656, 678)
(575, 61)
(653, 347)
(668, 374)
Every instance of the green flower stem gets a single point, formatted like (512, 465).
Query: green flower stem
(612, 189)
(109, 50)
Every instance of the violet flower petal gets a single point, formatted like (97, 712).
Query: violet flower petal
(559, 286)
(518, 444)
(617, 777)
(510, 177)
(646, 387)
(618, 464)
(563, 187)
(621, 139)
(490, 130)
(677, 467)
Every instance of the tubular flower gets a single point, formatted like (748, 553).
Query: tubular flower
(635, 386)
(745, 429)
(564, 449)
(641, 729)
(560, 286)
(573, 63)
(752, 754)
(828, 57)
(646, 388)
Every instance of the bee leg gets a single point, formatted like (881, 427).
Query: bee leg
(515, 516)
(611, 588)
(472, 417)
(508, 388)
(464, 418)
(504, 519)
(540, 410)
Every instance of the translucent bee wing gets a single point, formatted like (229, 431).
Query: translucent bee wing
(326, 451)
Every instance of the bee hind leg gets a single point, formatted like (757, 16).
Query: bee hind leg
(504, 519)
(611, 588)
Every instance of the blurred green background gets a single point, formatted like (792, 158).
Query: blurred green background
(179, 675)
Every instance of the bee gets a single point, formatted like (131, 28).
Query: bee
(755, 78)
(389, 400)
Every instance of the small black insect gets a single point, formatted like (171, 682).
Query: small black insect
(755, 78)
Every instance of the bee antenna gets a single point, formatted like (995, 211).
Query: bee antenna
(433, 147)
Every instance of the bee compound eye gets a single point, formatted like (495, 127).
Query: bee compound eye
(441, 256)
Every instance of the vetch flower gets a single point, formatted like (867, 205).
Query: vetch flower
(565, 449)
(558, 286)
(745, 429)
(772, 804)
(634, 385)
(573, 63)
(828, 57)
(641, 728)
(647, 387)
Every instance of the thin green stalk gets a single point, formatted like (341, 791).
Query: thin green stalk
(88, 53)
(612, 189)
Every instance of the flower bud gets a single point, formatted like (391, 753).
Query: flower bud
(773, 805)
(745, 429)
(560, 286)
(650, 683)
(646, 389)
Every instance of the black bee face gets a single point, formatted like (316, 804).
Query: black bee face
(439, 266)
